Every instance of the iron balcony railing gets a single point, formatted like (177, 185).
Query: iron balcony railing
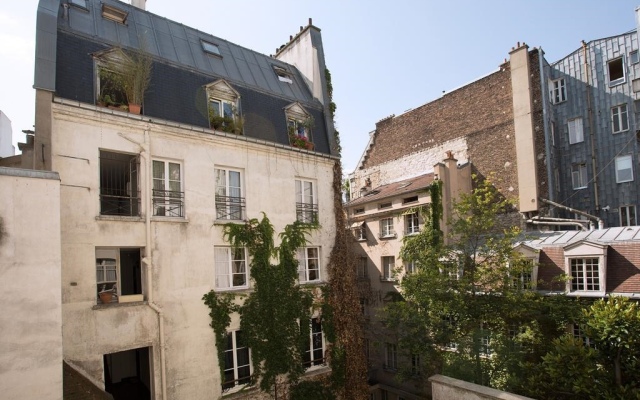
(307, 213)
(123, 205)
(230, 207)
(168, 203)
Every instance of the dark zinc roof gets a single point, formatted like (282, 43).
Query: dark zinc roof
(394, 189)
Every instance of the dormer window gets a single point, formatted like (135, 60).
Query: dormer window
(283, 74)
(585, 265)
(79, 3)
(210, 48)
(523, 271)
(299, 124)
(224, 104)
(114, 14)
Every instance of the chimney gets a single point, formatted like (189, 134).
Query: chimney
(139, 4)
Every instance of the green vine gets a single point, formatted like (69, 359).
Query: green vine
(332, 109)
(221, 305)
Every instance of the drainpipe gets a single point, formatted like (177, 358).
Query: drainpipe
(591, 128)
(545, 116)
(573, 210)
(146, 154)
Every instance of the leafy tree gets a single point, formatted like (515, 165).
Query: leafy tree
(467, 296)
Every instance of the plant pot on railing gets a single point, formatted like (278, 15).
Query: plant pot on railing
(106, 296)
(135, 108)
(300, 142)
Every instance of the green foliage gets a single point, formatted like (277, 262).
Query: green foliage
(130, 71)
(311, 390)
(332, 108)
(221, 306)
(463, 293)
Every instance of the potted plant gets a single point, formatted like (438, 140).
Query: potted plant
(299, 141)
(133, 74)
(228, 124)
(106, 295)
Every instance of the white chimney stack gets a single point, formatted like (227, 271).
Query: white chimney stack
(139, 4)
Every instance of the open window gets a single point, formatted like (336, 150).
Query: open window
(283, 74)
(314, 350)
(119, 184)
(299, 126)
(224, 107)
(109, 83)
(306, 202)
(230, 202)
(118, 275)
(308, 264)
(114, 14)
(616, 71)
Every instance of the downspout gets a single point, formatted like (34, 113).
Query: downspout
(146, 153)
(545, 122)
(591, 128)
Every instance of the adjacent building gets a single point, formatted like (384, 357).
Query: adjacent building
(222, 134)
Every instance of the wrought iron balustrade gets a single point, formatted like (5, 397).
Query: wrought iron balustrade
(168, 203)
(230, 207)
(307, 213)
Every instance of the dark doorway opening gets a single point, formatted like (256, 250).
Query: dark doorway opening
(127, 374)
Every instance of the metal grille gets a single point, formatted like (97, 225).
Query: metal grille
(230, 207)
(307, 213)
(168, 203)
(119, 192)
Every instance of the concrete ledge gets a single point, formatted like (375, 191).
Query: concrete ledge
(29, 173)
(445, 388)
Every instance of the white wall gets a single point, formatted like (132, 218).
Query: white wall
(6, 148)
(31, 320)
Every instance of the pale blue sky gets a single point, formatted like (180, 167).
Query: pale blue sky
(385, 57)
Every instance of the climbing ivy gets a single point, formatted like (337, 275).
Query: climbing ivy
(271, 313)
(332, 109)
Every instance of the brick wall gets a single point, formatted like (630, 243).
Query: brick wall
(623, 268)
(551, 265)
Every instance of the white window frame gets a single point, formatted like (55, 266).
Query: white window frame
(316, 343)
(484, 336)
(171, 204)
(579, 178)
(576, 130)
(581, 272)
(633, 57)
(624, 72)
(580, 335)
(228, 387)
(386, 228)
(306, 202)
(231, 206)
(225, 259)
(306, 267)
(391, 356)
(620, 118)
(388, 264)
(416, 365)
(412, 223)
(628, 216)
(363, 265)
(558, 91)
(628, 160)
(579, 278)
(410, 267)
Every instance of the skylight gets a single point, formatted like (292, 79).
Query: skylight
(283, 74)
(210, 48)
(114, 14)
(79, 3)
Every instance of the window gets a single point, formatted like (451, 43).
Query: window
(231, 268)
(628, 216)
(450, 323)
(114, 14)
(619, 118)
(633, 56)
(168, 198)
(585, 274)
(553, 133)
(299, 125)
(230, 204)
(391, 356)
(575, 131)
(580, 335)
(364, 303)
(386, 228)
(223, 107)
(410, 267)
(362, 267)
(359, 211)
(79, 3)
(388, 264)
(119, 191)
(308, 264)
(484, 337)
(237, 361)
(558, 91)
(579, 176)
(415, 364)
(616, 71)
(624, 169)
(384, 395)
(411, 223)
(306, 202)
(384, 205)
(521, 272)
(411, 199)
(118, 272)
(210, 48)
(283, 74)
(359, 231)
(314, 351)
(109, 88)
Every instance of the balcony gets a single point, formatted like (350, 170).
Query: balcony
(168, 203)
(307, 213)
(230, 207)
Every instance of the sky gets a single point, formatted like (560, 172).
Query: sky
(385, 57)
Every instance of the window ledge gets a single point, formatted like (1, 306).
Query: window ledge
(237, 289)
(317, 370)
(382, 279)
(361, 240)
(230, 221)
(617, 82)
(239, 391)
(181, 220)
(316, 282)
(388, 236)
(119, 305)
(122, 218)
(617, 132)
(411, 233)
(583, 293)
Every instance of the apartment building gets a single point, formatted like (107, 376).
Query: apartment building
(223, 135)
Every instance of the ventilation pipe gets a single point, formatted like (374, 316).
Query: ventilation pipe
(141, 4)
(573, 210)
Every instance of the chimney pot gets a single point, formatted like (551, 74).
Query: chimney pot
(310, 21)
(290, 37)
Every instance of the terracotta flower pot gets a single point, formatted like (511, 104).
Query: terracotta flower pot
(134, 108)
(106, 297)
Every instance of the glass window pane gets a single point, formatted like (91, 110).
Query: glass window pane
(228, 110)
(215, 107)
